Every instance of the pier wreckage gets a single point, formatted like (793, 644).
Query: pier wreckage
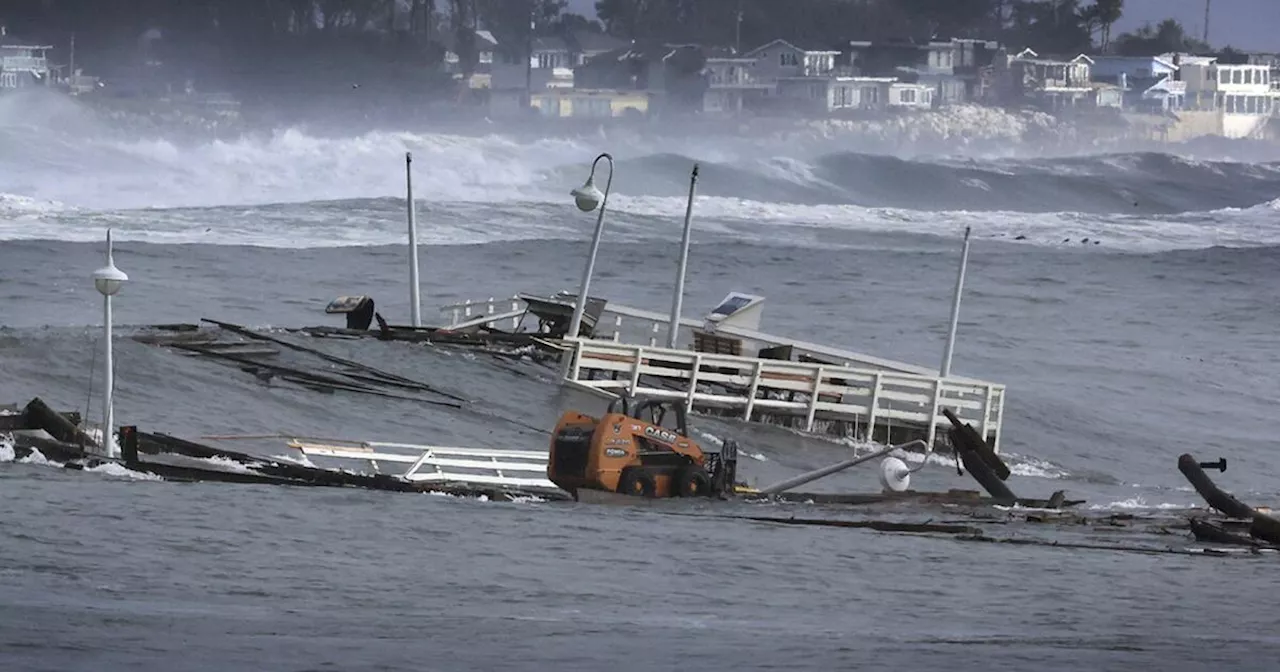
(721, 365)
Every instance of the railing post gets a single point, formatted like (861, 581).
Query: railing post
(995, 448)
(872, 408)
(574, 370)
(466, 309)
(693, 382)
(635, 371)
(986, 412)
(753, 389)
(617, 328)
(933, 411)
(653, 336)
(813, 399)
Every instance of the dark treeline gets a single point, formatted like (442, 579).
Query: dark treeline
(1058, 26)
(301, 47)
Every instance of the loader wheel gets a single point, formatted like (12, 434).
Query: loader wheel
(693, 483)
(637, 483)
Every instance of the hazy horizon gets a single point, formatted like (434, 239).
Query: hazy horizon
(1252, 25)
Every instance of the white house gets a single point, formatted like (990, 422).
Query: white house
(823, 95)
(22, 64)
(1234, 101)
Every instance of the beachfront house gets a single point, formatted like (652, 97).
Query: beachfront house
(1234, 101)
(22, 63)
(1050, 83)
(732, 84)
(781, 59)
(931, 64)
(1146, 83)
(486, 47)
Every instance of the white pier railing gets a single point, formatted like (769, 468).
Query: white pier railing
(870, 399)
(525, 469)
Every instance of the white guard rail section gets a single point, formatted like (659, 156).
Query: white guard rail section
(526, 469)
(872, 398)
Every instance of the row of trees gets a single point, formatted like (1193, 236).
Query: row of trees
(257, 30)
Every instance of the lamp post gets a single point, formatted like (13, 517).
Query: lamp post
(955, 307)
(673, 328)
(415, 301)
(588, 197)
(108, 280)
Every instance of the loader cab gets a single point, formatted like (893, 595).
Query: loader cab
(664, 414)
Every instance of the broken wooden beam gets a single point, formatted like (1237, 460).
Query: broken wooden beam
(1262, 527)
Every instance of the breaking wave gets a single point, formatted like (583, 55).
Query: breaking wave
(66, 177)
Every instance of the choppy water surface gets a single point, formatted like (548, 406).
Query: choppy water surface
(1119, 356)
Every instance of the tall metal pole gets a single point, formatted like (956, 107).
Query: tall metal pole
(673, 327)
(415, 301)
(955, 307)
(1207, 4)
(575, 324)
(108, 280)
(109, 375)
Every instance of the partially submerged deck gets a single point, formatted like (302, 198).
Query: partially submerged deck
(789, 382)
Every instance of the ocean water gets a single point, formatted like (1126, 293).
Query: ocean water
(1153, 338)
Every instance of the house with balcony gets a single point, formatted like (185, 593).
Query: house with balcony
(781, 59)
(1231, 100)
(1050, 83)
(23, 64)
(732, 84)
(951, 68)
(1145, 83)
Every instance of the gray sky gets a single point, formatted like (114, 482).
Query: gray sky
(1246, 24)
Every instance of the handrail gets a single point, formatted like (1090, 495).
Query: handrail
(798, 389)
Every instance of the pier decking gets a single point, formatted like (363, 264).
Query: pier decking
(826, 389)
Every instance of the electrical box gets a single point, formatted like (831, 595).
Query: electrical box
(736, 310)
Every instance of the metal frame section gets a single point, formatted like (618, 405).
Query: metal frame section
(525, 469)
(870, 399)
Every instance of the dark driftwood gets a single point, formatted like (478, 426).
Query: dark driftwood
(40, 416)
(1263, 526)
(879, 525)
(1215, 496)
(1213, 533)
(979, 469)
(978, 445)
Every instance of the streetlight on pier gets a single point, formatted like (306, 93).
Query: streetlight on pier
(588, 197)
(108, 280)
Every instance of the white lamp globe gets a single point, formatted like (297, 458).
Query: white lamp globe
(587, 197)
(109, 280)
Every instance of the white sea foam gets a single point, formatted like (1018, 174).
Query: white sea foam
(1138, 503)
(491, 188)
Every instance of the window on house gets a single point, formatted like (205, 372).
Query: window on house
(907, 96)
(870, 95)
(1224, 77)
(1248, 76)
(789, 59)
(1237, 77)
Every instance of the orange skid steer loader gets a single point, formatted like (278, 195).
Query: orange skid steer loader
(637, 453)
